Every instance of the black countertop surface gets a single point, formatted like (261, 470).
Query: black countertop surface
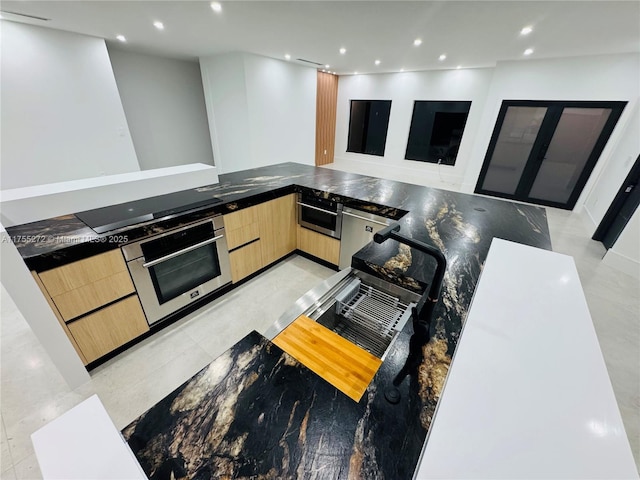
(257, 413)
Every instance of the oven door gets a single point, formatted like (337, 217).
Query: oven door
(320, 219)
(179, 268)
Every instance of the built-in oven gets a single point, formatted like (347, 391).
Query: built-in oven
(178, 267)
(320, 214)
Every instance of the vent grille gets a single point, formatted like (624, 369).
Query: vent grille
(35, 17)
(308, 61)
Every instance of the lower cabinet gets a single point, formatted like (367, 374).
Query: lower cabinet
(246, 260)
(319, 245)
(109, 328)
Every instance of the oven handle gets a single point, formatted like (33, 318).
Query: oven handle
(180, 252)
(316, 208)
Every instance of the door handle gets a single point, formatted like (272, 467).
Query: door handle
(180, 252)
(629, 188)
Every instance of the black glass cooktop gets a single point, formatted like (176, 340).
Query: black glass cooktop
(106, 219)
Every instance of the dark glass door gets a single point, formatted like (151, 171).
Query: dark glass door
(543, 152)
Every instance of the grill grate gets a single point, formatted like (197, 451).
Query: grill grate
(369, 317)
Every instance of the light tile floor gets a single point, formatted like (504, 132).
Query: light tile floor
(33, 392)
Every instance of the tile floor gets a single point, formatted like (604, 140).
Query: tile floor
(33, 392)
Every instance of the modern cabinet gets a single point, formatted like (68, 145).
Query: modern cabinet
(243, 239)
(95, 302)
(260, 235)
(319, 245)
(277, 228)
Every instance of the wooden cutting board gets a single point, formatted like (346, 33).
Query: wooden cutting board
(344, 365)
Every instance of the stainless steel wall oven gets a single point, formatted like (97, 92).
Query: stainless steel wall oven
(320, 214)
(173, 269)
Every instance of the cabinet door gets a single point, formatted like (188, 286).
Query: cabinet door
(277, 220)
(241, 227)
(245, 261)
(109, 328)
(87, 284)
(319, 245)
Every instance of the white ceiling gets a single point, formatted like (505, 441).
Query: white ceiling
(471, 33)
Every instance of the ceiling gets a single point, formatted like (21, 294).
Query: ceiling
(471, 33)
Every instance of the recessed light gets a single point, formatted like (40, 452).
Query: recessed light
(402, 69)
(343, 51)
(287, 56)
(334, 73)
(327, 66)
(355, 73)
(216, 7)
(458, 67)
(377, 62)
(159, 25)
(121, 38)
(526, 30)
(442, 57)
(417, 42)
(528, 51)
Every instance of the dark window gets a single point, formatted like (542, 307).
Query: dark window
(436, 131)
(368, 126)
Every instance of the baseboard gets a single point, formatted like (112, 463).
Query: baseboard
(594, 224)
(623, 263)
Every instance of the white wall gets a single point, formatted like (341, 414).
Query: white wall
(61, 115)
(261, 111)
(403, 89)
(617, 168)
(164, 104)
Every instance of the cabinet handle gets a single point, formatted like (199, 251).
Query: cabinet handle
(180, 252)
(364, 218)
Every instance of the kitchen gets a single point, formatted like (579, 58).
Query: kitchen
(312, 141)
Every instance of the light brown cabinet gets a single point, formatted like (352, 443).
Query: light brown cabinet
(109, 328)
(95, 302)
(243, 239)
(319, 245)
(82, 286)
(277, 228)
(260, 235)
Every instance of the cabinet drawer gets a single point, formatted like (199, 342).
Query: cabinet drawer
(77, 274)
(242, 235)
(319, 245)
(76, 302)
(107, 329)
(246, 260)
(241, 227)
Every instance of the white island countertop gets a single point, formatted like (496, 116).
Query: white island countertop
(84, 444)
(528, 394)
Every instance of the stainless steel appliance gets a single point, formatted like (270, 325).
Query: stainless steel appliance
(320, 214)
(358, 228)
(176, 268)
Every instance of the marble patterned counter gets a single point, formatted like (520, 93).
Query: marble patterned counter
(257, 413)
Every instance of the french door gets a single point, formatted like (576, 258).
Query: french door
(544, 151)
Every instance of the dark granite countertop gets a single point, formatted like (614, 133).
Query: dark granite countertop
(257, 413)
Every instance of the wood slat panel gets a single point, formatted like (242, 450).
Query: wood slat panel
(93, 295)
(89, 270)
(319, 245)
(326, 103)
(107, 329)
(344, 365)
